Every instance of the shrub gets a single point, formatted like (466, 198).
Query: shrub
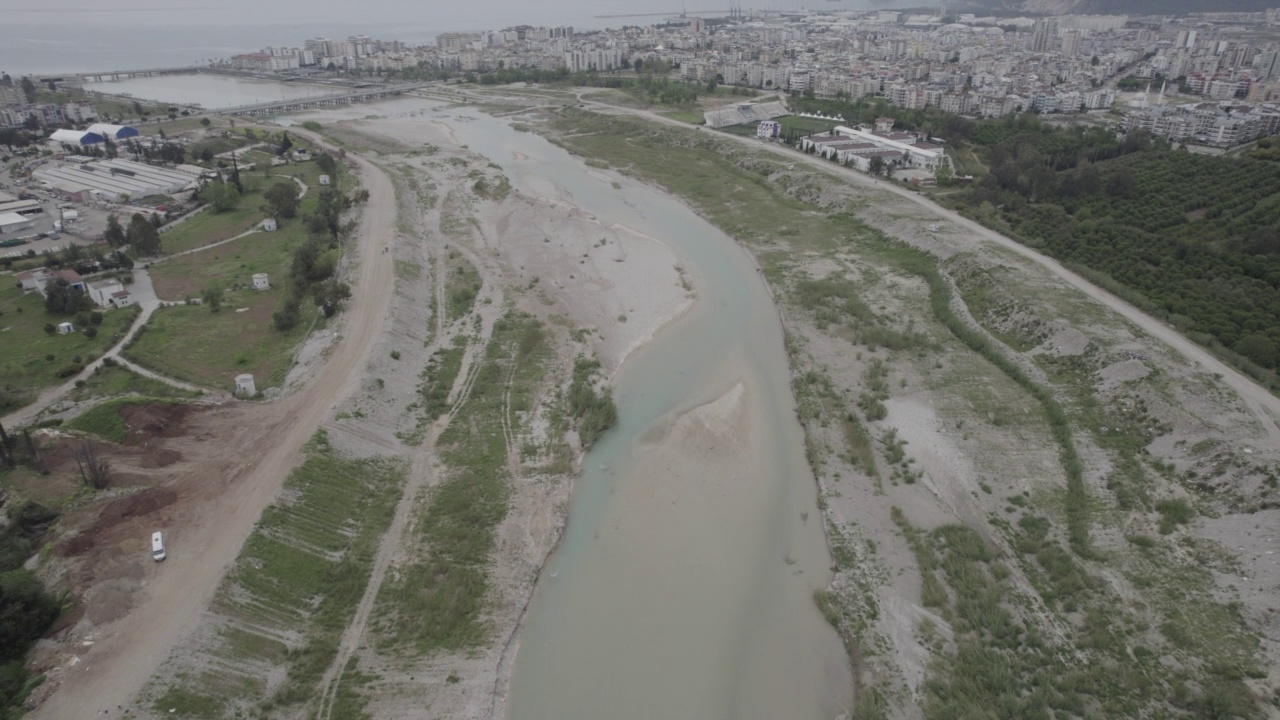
(91, 332)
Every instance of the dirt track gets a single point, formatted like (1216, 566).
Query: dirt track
(129, 652)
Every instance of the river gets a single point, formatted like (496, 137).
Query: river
(683, 587)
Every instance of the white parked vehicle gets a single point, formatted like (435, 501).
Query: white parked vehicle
(157, 546)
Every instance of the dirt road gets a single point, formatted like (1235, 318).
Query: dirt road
(128, 652)
(1264, 405)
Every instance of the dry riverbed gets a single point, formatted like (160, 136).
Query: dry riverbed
(462, 426)
(1031, 503)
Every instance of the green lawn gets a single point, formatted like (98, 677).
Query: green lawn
(193, 343)
(25, 348)
(210, 227)
(689, 116)
(230, 265)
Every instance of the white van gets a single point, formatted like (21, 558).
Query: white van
(157, 545)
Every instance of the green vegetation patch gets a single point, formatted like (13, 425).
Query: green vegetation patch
(462, 285)
(437, 600)
(208, 227)
(192, 343)
(590, 402)
(438, 379)
(294, 588)
(112, 379)
(31, 358)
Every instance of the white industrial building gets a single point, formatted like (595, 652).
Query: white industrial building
(74, 137)
(115, 132)
(11, 222)
(112, 180)
(859, 145)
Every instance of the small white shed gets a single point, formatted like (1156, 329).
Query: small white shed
(66, 328)
(245, 386)
(269, 224)
(260, 282)
(324, 179)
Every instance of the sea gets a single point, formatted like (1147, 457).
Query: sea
(65, 36)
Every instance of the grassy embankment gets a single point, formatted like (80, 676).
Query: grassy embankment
(1068, 644)
(193, 343)
(31, 359)
(291, 593)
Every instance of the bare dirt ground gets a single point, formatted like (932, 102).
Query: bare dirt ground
(234, 460)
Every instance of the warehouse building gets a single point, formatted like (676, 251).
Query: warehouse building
(13, 222)
(112, 180)
(115, 132)
(74, 137)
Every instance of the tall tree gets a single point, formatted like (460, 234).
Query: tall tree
(222, 196)
(327, 164)
(282, 199)
(235, 174)
(143, 236)
(62, 299)
(114, 234)
(28, 89)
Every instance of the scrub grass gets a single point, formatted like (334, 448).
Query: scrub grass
(293, 590)
(462, 285)
(1060, 641)
(436, 601)
(438, 378)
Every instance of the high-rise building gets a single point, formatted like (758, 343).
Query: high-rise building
(1071, 43)
(1043, 34)
(1268, 65)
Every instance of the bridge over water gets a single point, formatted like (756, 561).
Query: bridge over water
(343, 98)
(103, 75)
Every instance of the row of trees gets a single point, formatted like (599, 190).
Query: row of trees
(142, 235)
(1191, 238)
(315, 261)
